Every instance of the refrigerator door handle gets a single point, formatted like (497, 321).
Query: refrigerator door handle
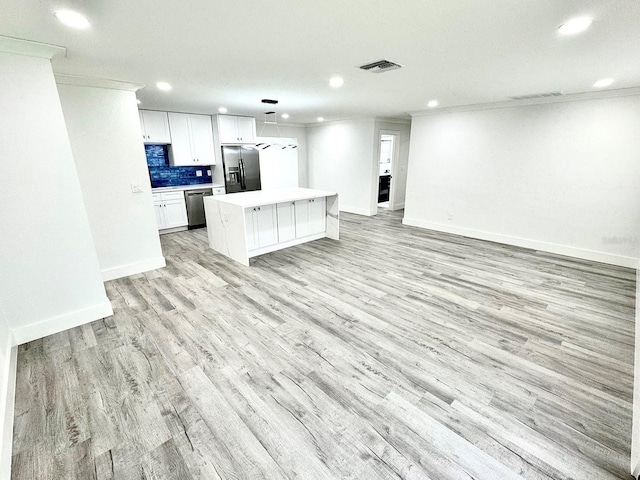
(243, 184)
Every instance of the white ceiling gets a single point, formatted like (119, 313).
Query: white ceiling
(236, 52)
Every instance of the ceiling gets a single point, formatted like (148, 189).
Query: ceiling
(233, 53)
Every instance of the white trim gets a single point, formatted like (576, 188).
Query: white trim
(6, 441)
(358, 211)
(59, 323)
(79, 80)
(133, 268)
(399, 206)
(281, 245)
(29, 48)
(173, 230)
(526, 243)
(400, 121)
(573, 97)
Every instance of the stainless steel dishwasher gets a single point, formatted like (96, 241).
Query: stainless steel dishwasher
(195, 206)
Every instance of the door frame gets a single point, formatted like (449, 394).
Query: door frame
(394, 161)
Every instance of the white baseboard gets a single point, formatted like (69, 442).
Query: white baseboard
(398, 206)
(526, 243)
(133, 268)
(357, 211)
(57, 324)
(6, 422)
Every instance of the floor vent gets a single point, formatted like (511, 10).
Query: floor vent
(380, 66)
(537, 95)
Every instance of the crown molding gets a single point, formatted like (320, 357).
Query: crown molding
(572, 97)
(29, 48)
(78, 80)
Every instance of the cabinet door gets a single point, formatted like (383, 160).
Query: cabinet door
(251, 228)
(175, 213)
(159, 215)
(267, 224)
(144, 134)
(202, 138)
(228, 129)
(286, 221)
(246, 129)
(180, 153)
(317, 215)
(302, 218)
(156, 127)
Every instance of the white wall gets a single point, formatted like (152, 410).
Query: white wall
(50, 274)
(105, 135)
(399, 185)
(278, 166)
(291, 131)
(560, 177)
(342, 157)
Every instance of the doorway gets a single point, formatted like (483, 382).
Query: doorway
(386, 162)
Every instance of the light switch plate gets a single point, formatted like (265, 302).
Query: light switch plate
(198, 173)
(136, 188)
(209, 173)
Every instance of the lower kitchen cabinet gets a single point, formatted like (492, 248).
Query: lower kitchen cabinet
(310, 215)
(261, 225)
(171, 210)
(286, 221)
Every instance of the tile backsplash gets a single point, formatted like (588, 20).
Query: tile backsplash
(164, 175)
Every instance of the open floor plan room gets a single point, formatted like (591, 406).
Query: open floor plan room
(397, 352)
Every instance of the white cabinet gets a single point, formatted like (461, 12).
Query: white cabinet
(171, 210)
(261, 226)
(236, 130)
(192, 140)
(310, 216)
(286, 221)
(155, 127)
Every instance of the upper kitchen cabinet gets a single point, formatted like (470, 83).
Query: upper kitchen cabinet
(192, 140)
(155, 127)
(236, 130)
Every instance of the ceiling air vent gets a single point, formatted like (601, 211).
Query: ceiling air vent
(381, 66)
(537, 95)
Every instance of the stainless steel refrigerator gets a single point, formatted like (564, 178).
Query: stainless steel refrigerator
(241, 169)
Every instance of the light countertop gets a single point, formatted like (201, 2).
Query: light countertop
(269, 197)
(186, 187)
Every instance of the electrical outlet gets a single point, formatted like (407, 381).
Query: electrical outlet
(198, 173)
(450, 216)
(136, 188)
(208, 173)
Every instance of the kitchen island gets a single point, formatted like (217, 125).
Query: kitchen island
(244, 225)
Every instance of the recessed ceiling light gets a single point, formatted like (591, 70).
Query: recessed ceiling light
(72, 19)
(163, 86)
(336, 82)
(138, 101)
(432, 103)
(223, 110)
(603, 82)
(575, 25)
(321, 119)
(285, 115)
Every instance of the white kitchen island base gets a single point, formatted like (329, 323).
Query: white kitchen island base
(244, 225)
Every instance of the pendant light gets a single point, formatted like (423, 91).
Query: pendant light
(271, 118)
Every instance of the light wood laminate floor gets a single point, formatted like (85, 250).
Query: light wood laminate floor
(394, 353)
